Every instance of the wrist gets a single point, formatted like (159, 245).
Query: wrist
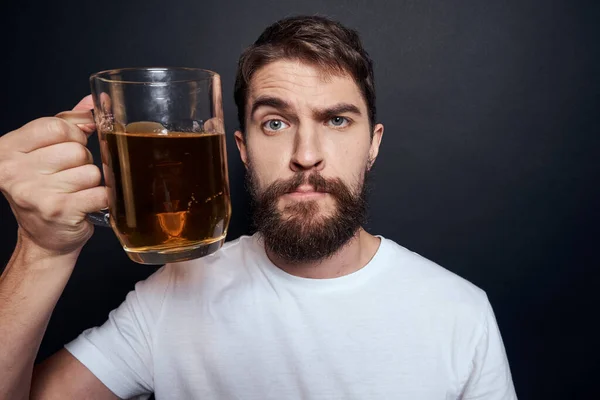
(29, 253)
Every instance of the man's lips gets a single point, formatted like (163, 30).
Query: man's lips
(305, 189)
(305, 192)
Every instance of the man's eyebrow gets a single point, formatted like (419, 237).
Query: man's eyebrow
(270, 101)
(340, 108)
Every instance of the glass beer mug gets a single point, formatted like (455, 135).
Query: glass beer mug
(162, 143)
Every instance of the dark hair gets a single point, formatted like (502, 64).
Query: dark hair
(312, 39)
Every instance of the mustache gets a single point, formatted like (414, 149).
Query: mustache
(320, 184)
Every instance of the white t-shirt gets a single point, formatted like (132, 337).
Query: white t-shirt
(234, 326)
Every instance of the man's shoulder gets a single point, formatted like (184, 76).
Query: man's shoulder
(230, 263)
(426, 277)
(231, 254)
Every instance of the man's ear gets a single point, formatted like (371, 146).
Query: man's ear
(375, 143)
(241, 145)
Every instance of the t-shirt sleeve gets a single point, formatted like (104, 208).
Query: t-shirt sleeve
(119, 353)
(490, 377)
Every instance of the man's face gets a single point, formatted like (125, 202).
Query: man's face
(307, 148)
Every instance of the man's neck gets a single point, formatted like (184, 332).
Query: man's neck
(350, 258)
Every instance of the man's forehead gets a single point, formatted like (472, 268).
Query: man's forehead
(292, 78)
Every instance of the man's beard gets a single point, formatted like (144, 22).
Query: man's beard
(303, 234)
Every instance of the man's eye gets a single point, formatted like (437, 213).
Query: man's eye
(339, 122)
(275, 125)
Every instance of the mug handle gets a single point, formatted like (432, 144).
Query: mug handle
(84, 119)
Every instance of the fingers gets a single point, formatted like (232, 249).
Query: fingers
(89, 200)
(105, 103)
(43, 132)
(76, 179)
(47, 175)
(214, 125)
(47, 131)
(61, 156)
(85, 104)
(83, 119)
(77, 117)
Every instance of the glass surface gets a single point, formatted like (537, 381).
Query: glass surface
(162, 142)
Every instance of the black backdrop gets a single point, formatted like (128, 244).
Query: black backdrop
(488, 164)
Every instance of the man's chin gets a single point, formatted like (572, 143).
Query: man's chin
(298, 240)
(307, 225)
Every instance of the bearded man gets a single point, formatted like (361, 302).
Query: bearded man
(310, 307)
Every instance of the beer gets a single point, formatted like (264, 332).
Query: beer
(167, 190)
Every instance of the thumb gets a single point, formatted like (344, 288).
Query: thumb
(85, 104)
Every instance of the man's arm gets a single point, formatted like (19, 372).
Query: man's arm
(29, 289)
(48, 177)
(490, 377)
(62, 376)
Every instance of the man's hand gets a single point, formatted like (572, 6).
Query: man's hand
(48, 176)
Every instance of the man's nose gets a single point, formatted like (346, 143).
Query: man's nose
(308, 152)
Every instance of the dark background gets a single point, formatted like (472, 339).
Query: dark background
(488, 165)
